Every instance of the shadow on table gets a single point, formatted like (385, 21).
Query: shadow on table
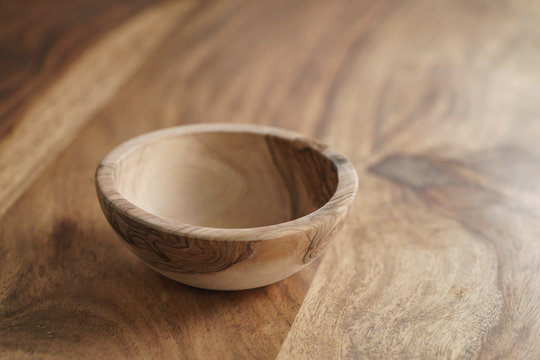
(81, 287)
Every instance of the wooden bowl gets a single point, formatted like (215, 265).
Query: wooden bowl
(225, 206)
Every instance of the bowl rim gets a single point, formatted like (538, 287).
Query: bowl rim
(340, 201)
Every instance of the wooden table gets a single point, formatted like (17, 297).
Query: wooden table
(437, 103)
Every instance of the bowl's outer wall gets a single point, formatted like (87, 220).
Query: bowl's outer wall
(225, 265)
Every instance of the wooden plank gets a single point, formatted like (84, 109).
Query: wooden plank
(441, 258)
(75, 96)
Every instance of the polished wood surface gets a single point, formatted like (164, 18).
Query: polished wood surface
(226, 206)
(435, 103)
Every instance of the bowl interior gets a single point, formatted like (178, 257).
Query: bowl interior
(226, 179)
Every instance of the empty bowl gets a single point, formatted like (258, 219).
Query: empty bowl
(225, 206)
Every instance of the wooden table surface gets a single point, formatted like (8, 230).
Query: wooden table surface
(437, 103)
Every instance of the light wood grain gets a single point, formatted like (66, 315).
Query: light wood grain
(435, 103)
(226, 206)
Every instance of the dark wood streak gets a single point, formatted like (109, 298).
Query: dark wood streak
(319, 240)
(447, 185)
(414, 171)
(479, 192)
(63, 234)
(299, 166)
(174, 253)
(35, 49)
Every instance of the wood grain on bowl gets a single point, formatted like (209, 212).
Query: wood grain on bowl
(226, 206)
(434, 102)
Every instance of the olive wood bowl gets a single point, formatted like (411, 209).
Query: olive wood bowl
(225, 206)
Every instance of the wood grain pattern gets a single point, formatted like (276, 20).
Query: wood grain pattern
(226, 206)
(445, 262)
(75, 96)
(36, 49)
(436, 104)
